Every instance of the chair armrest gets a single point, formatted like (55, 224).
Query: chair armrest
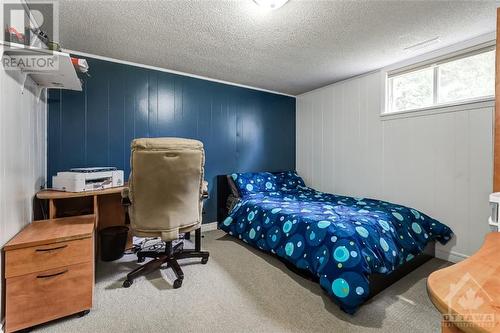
(204, 190)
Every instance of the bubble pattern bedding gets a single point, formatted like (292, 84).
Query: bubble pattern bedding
(341, 240)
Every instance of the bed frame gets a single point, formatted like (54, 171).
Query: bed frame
(378, 282)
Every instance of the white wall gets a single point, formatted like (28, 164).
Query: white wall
(438, 163)
(22, 155)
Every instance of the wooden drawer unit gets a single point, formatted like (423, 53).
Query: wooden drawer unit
(49, 271)
(44, 257)
(43, 296)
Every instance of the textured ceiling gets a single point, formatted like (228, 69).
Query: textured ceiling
(299, 47)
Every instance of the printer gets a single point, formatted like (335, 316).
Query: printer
(87, 179)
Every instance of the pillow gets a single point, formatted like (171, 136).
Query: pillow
(254, 182)
(288, 180)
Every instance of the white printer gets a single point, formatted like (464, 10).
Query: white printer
(87, 179)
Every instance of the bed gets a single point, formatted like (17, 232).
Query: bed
(354, 247)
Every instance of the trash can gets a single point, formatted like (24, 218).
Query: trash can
(113, 242)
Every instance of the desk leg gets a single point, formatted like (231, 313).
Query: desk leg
(96, 212)
(96, 228)
(52, 209)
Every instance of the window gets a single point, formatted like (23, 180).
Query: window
(465, 78)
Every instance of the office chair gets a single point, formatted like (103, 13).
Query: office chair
(164, 199)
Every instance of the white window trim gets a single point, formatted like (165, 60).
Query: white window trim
(455, 51)
(449, 57)
(479, 103)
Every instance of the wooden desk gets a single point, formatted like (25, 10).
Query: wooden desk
(108, 199)
(49, 271)
(104, 204)
(468, 293)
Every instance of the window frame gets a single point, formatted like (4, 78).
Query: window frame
(434, 63)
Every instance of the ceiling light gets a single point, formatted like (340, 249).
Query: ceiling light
(270, 4)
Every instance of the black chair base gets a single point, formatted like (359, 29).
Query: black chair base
(170, 257)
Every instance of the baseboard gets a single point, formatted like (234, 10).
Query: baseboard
(209, 226)
(451, 256)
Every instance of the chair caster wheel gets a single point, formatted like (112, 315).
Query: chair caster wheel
(204, 261)
(177, 283)
(140, 259)
(83, 313)
(127, 283)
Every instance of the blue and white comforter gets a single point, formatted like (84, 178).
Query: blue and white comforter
(341, 240)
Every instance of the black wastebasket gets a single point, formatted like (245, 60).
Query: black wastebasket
(113, 242)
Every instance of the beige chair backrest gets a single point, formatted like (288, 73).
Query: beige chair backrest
(165, 186)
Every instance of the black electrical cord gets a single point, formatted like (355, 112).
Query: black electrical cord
(158, 246)
(141, 246)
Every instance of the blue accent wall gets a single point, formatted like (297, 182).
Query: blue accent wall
(242, 129)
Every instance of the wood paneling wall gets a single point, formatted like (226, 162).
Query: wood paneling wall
(22, 155)
(242, 129)
(496, 174)
(438, 163)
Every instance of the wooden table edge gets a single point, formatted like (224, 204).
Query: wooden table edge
(9, 247)
(51, 194)
(442, 306)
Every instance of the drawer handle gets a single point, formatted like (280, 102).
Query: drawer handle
(52, 249)
(51, 275)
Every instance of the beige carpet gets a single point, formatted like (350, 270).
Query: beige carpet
(244, 290)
